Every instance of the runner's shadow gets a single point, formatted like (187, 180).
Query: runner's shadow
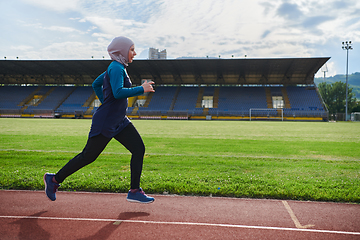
(30, 229)
(106, 231)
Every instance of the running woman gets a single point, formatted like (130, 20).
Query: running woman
(112, 87)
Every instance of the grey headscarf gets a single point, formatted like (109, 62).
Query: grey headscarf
(119, 49)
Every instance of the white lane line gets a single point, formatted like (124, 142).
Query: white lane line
(294, 218)
(118, 221)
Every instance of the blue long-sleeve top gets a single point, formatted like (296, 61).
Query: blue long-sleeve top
(112, 87)
(116, 72)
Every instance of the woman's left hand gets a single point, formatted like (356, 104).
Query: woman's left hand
(147, 85)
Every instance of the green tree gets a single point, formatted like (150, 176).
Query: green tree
(357, 107)
(334, 96)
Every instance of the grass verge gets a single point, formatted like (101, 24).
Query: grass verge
(300, 161)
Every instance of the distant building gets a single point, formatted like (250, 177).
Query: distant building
(155, 54)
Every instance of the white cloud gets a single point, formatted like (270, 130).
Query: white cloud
(55, 5)
(61, 29)
(199, 28)
(115, 27)
(22, 48)
(69, 50)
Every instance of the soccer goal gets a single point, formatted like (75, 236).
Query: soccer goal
(355, 116)
(266, 113)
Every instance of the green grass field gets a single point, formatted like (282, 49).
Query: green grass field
(283, 160)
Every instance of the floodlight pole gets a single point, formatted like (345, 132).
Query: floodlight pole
(347, 46)
(324, 69)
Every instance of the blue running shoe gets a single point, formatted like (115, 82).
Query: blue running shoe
(50, 186)
(139, 197)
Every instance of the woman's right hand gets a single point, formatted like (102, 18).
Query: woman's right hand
(147, 85)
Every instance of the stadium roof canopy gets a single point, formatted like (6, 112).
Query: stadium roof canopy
(287, 71)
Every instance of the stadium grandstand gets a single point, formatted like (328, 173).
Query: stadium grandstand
(226, 89)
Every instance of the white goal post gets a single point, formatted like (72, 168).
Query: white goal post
(266, 113)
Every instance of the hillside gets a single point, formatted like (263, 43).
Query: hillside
(353, 80)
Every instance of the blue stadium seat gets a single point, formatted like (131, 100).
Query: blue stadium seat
(12, 96)
(186, 99)
(232, 100)
(303, 99)
(76, 100)
(52, 101)
(161, 100)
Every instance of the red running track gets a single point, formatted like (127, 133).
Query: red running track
(83, 215)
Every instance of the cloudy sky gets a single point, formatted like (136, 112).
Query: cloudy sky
(80, 29)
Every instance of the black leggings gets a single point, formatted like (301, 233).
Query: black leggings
(129, 137)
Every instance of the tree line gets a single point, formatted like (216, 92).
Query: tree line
(334, 96)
